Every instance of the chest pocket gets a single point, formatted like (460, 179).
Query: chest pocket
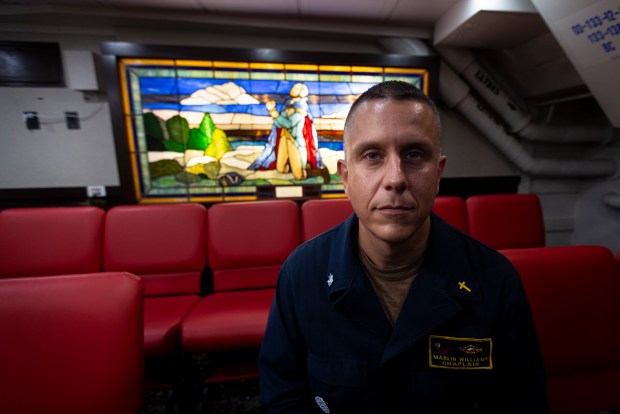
(337, 371)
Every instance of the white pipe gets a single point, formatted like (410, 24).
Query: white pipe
(464, 62)
(455, 93)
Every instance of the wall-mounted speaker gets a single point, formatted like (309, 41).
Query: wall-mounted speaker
(80, 70)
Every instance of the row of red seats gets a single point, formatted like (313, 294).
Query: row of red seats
(244, 244)
(168, 245)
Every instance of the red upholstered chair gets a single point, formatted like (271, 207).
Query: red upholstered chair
(453, 210)
(71, 344)
(47, 241)
(318, 216)
(247, 244)
(574, 293)
(166, 246)
(506, 221)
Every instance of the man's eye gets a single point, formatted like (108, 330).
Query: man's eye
(372, 156)
(412, 155)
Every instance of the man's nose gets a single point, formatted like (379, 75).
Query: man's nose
(394, 178)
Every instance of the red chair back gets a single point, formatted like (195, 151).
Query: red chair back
(163, 244)
(47, 241)
(318, 216)
(71, 344)
(249, 241)
(506, 221)
(453, 210)
(574, 293)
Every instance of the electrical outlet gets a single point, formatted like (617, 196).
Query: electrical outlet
(31, 119)
(95, 191)
(73, 121)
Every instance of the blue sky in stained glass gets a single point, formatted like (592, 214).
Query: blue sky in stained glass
(158, 86)
(187, 86)
(335, 88)
(164, 105)
(321, 110)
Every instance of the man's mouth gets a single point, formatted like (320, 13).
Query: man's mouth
(394, 208)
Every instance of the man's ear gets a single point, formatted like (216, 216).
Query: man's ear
(440, 166)
(442, 163)
(343, 172)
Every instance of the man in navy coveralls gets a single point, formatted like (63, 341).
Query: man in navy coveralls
(394, 310)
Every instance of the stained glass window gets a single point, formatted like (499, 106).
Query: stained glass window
(224, 130)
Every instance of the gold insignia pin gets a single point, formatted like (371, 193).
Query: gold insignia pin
(462, 286)
(471, 349)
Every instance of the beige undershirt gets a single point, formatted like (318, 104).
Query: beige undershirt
(392, 285)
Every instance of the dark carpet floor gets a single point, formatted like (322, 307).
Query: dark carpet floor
(190, 395)
(176, 386)
(231, 397)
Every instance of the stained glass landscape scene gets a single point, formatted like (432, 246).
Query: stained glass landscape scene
(211, 131)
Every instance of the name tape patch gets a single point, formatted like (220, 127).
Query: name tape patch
(460, 353)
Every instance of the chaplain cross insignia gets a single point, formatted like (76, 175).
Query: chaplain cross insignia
(330, 280)
(462, 286)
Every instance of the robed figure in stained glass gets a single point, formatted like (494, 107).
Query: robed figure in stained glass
(292, 145)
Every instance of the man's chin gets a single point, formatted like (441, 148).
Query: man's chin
(396, 236)
(396, 233)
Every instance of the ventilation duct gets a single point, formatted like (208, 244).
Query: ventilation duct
(456, 94)
(464, 62)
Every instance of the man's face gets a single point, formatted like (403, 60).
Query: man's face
(392, 168)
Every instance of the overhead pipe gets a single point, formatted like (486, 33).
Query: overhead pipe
(455, 93)
(464, 62)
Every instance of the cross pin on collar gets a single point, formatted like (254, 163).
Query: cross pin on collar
(462, 286)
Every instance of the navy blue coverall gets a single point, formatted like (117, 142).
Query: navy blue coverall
(464, 341)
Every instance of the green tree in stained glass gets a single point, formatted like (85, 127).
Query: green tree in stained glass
(219, 145)
(154, 132)
(201, 137)
(178, 129)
